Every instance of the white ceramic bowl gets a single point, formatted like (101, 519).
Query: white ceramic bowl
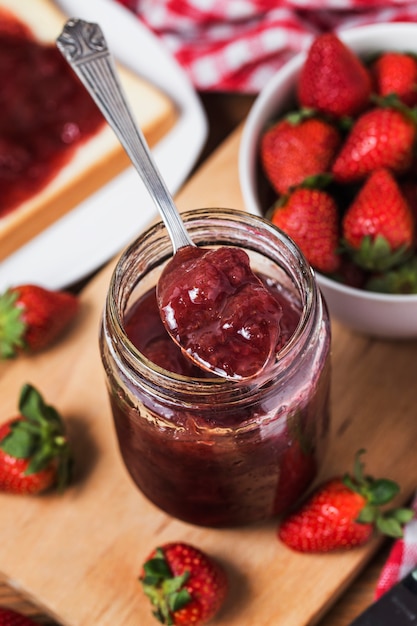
(374, 314)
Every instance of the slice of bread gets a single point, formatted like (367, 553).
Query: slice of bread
(95, 161)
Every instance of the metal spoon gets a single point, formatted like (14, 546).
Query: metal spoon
(85, 49)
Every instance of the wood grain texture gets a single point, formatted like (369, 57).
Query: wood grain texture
(78, 555)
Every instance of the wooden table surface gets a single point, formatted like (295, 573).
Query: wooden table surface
(225, 112)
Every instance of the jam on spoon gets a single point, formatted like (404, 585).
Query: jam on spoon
(211, 303)
(218, 311)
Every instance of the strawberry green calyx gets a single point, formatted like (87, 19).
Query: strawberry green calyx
(38, 435)
(400, 280)
(392, 101)
(12, 325)
(376, 254)
(317, 181)
(377, 493)
(299, 115)
(165, 591)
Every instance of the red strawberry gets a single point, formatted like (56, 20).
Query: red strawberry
(185, 585)
(34, 451)
(292, 151)
(378, 226)
(309, 217)
(8, 617)
(343, 513)
(333, 79)
(382, 137)
(396, 73)
(32, 317)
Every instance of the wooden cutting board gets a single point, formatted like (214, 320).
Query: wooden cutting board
(78, 555)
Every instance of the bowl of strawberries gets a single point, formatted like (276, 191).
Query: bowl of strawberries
(328, 154)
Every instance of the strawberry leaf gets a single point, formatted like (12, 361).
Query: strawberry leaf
(39, 462)
(318, 181)
(382, 491)
(172, 585)
(376, 493)
(368, 514)
(158, 615)
(392, 101)
(166, 592)
(179, 600)
(376, 254)
(39, 437)
(18, 443)
(399, 280)
(12, 325)
(157, 568)
(403, 515)
(358, 466)
(34, 409)
(64, 469)
(300, 115)
(389, 526)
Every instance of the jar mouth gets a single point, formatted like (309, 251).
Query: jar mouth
(205, 226)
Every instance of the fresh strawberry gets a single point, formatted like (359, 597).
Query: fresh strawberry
(8, 617)
(333, 79)
(378, 227)
(344, 512)
(32, 317)
(381, 137)
(34, 450)
(185, 585)
(396, 73)
(310, 218)
(296, 148)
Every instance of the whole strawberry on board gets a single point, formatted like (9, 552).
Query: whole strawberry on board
(34, 451)
(344, 512)
(333, 80)
(32, 318)
(185, 586)
(310, 217)
(297, 147)
(379, 226)
(8, 617)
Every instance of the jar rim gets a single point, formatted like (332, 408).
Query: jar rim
(192, 218)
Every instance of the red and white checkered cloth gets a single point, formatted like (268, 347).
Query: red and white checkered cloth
(237, 45)
(402, 558)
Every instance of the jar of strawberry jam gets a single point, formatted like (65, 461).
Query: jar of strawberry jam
(208, 450)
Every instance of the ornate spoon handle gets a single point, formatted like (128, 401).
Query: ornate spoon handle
(85, 49)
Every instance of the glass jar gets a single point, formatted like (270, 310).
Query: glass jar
(210, 451)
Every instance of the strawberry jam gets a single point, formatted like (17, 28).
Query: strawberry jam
(46, 113)
(146, 331)
(205, 449)
(218, 311)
